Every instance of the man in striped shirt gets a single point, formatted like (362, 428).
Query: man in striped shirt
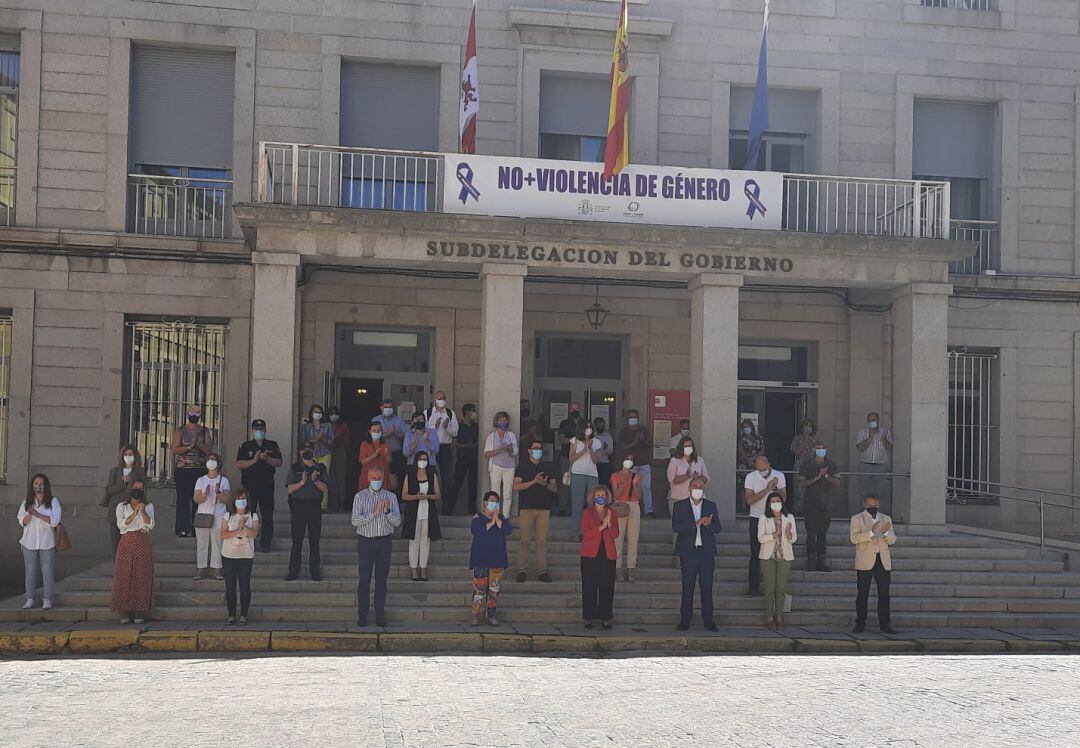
(375, 515)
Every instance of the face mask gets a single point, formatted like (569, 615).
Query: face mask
(537, 454)
(260, 435)
(872, 511)
(440, 403)
(334, 418)
(575, 414)
(193, 417)
(627, 464)
(600, 500)
(388, 412)
(747, 430)
(502, 425)
(211, 464)
(600, 429)
(525, 412)
(419, 425)
(421, 463)
(241, 504)
(808, 429)
(588, 432)
(688, 450)
(697, 493)
(316, 416)
(493, 506)
(776, 506)
(873, 424)
(376, 485)
(306, 455)
(138, 494)
(129, 459)
(376, 435)
(685, 432)
(765, 473)
(819, 452)
(632, 421)
(39, 489)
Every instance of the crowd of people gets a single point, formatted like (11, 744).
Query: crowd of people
(408, 476)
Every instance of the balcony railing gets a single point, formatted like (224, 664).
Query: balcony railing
(7, 195)
(961, 4)
(984, 234)
(179, 206)
(332, 176)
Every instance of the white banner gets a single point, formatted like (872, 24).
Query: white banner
(576, 190)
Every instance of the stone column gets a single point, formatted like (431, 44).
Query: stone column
(920, 398)
(274, 328)
(502, 299)
(865, 369)
(714, 381)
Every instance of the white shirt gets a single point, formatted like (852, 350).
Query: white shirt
(219, 485)
(756, 483)
(423, 508)
(696, 507)
(124, 510)
(445, 433)
(38, 535)
(238, 547)
(584, 465)
(876, 453)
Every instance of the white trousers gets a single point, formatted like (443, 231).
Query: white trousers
(420, 545)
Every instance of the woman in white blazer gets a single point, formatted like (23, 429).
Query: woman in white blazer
(777, 534)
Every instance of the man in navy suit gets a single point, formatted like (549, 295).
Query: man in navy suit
(696, 524)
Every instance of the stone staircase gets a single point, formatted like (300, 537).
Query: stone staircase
(941, 578)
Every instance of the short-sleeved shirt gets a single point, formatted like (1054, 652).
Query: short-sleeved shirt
(584, 464)
(208, 485)
(567, 429)
(756, 482)
(239, 547)
(259, 476)
(309, 491)
(640, 449)
(538, 496)
(822, 490)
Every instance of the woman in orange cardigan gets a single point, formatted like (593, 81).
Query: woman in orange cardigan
(599, 528)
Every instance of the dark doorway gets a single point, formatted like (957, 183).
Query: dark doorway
(783, 411)
(359, 403)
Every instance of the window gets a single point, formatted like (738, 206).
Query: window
(9, 128)
(390, 107)
(181, 142)
(5, 385)
(573, 117)
(773, 363)
(973, 413)
(168, 365)
(961, 4)
(792, 124)
(400, 351)
(953, 142)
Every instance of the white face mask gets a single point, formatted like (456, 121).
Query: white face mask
(316, 416)
(211, 464)
(765, 472)
(697, 493)
(421, 463)
(688, 450)
(588, 432)
(776, 506)
(441, 403)
(129, 459)
(628, 464)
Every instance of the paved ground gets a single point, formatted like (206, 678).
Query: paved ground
(501, 701)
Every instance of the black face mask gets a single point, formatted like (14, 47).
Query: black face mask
(525, 412)
(193, 417)
(575, 414)
(419, 425)
(307, 455)
(138, 494)
(872, 511)
(600, 429)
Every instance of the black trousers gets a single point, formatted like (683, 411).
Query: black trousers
(603, 471)
(755, 562)
(372, 555)
(597, 586)
(464, 470)
(446, 467)
(818, 519)
(306, 518)
(880, 575)
(237, 572)
(262, 503)
(185, 498)
(697, 568)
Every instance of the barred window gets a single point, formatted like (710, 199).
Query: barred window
(5, 384)
(961, 4)
(973, 422)
(167, 366)
(9, 129)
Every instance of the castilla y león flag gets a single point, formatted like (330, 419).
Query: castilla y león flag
(617, 151)
(469, 102)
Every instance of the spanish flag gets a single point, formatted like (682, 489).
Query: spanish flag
(617, 151)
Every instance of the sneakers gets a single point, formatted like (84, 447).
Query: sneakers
(493, 621)
(28, 604)
(230, 621)
(545, 577)
(139, 620)
(475, 621)
(242, 620)
(605, 625)
(521, 577)
(126, 619)
(46, 604)
(218, 575)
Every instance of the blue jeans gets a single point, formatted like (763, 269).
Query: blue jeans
(32, 560)
(645, 471)
(579, 489)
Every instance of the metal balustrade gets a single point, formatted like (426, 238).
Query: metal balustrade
(961, 4)
(179, 206)
(984, 234)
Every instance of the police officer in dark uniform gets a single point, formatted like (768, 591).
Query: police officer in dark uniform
(818, 479)
(257, 460)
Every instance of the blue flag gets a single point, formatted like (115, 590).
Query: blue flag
(759, 114)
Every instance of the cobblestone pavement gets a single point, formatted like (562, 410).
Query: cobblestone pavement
(502, 701)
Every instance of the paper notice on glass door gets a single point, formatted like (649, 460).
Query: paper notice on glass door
(558, 413)
(661, 434)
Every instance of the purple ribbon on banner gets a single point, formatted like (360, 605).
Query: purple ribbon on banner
(752, 190)
(465, 175)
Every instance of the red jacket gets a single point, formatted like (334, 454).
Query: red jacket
(591, 535)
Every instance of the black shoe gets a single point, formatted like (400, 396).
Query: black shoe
(545, 577)
(710, 626)
(823, 564)
(683, 626)
(650, 515)
(887, 629)
(316, 577)
(605, 625)
(380, 624)
(361, 622)
(521, 577)
(859, 628)
(264, 549)
(753, 593)
(291, 578)
(588, 624)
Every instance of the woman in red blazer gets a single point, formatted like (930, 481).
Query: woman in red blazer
(599, 528)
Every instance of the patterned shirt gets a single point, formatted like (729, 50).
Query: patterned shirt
(876, 453)
(310, 429)
(369, 524)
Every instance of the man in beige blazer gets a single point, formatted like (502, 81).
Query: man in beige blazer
(872, 534)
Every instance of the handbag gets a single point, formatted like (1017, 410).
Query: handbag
(621, 509)
(63, 542)
(566, 478)
(203, 521)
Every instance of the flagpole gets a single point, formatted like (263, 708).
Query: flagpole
(759, 113)
(469, 94)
